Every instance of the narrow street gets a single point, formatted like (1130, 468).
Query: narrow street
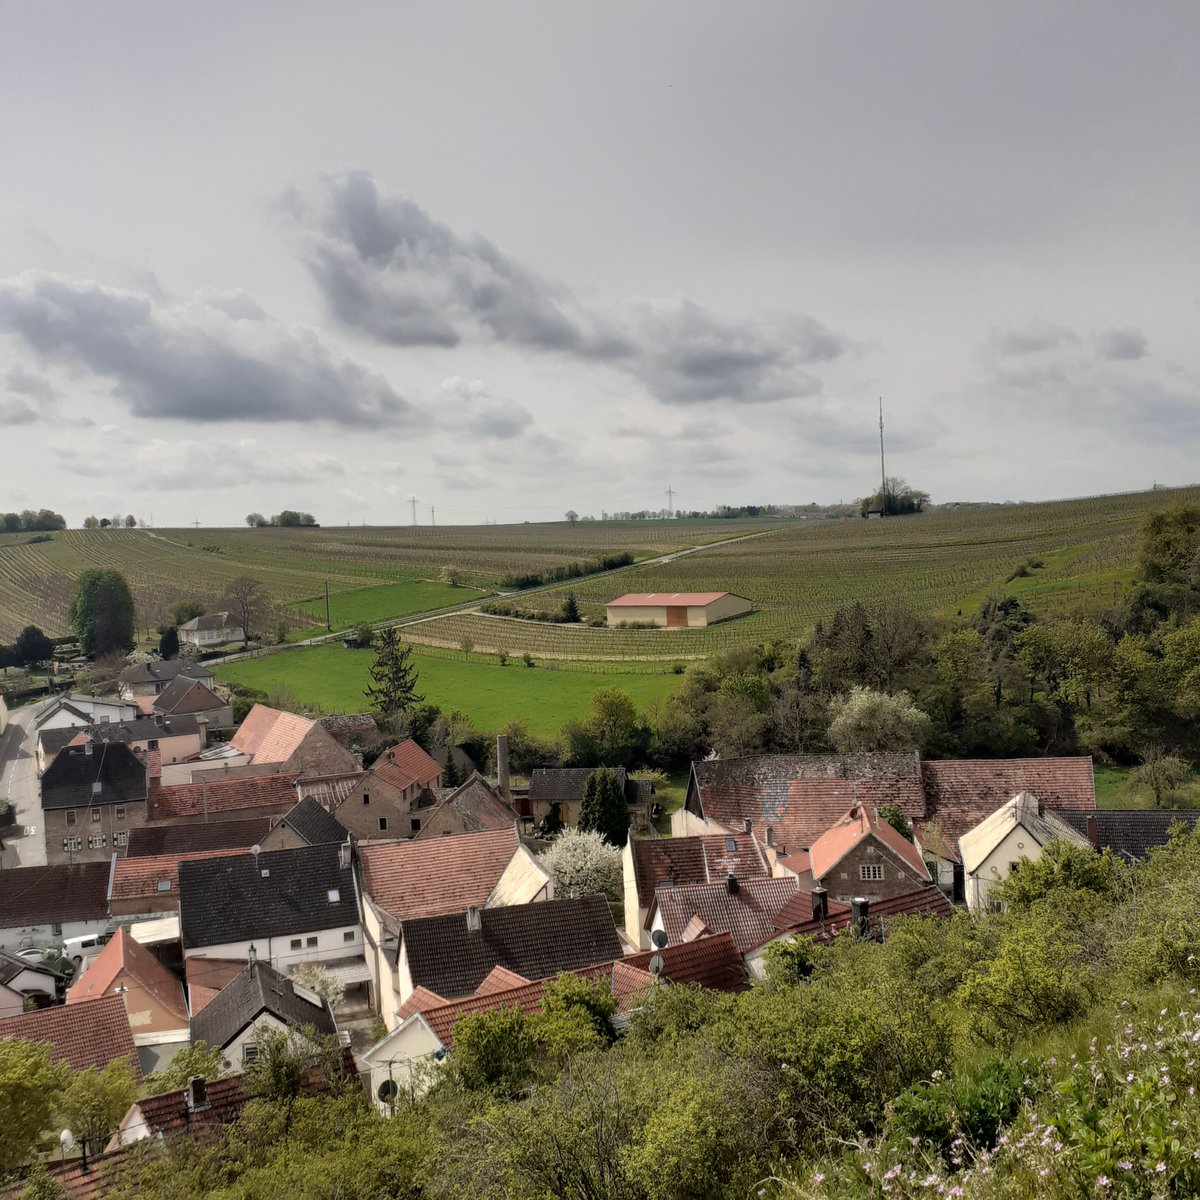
(24, 842)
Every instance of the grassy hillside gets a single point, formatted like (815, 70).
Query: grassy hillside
(331, 679)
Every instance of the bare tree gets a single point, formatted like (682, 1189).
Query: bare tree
(247, 599)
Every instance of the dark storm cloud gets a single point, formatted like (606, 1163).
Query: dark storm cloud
(390, 271)
(24, 397)
(193, 362)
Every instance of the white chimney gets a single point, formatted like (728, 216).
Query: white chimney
(474, 920)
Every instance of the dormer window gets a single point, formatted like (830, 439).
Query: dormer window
(164, 885)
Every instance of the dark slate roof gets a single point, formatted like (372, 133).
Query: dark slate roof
(11, 966)
(534, 940)
(161, 838)
(69, 779)
(165, 670)
(139, 729)
(313, 823)
(1129, 832)
(187, 695)
(257, 989)
(277, 893)
(64, 892)
(553, 785)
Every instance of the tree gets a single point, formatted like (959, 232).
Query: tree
(200, 1059)
(246, 598)
(604, 808)
(570, 610)
(287, 1059)
(893, 814)
(95, 1100)
(1164, 774)
(182, 611)
(29, 1082)
(582, 863)
(256, 520)
(130, 521)
(168, 642)
(495, 1052)
(101, 613)
(92, 522)
(449, 576)
(451, 776)
(613, 724)
(364, 635)
(898, 497)
(1061, 867)
(576, 1015)
(466, 644)
(318, 979)
(572, 516)
(867, 720)
(393, 687)
(32, 646)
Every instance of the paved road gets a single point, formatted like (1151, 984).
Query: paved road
(25, 842)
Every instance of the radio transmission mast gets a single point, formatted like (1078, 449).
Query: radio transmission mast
(882, 468)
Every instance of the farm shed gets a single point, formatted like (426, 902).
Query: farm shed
(676, 610)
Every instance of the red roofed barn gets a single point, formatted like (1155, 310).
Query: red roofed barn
(676, 610)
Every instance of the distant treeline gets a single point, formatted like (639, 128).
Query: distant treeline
(29, 521)
(575, 570)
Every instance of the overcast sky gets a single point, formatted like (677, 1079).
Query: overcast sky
(517, 258)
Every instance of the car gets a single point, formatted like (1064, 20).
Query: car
(32, 954)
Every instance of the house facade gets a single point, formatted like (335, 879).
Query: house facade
(394, 798)
(212, 629)
(92, 796)
(153, 678)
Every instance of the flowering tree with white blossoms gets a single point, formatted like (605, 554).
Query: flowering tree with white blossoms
(584, 864)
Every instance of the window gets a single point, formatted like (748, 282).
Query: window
(152, 744)
(295, 943)
(120, 812)
(871, 871)
(366, 797)
(415, 825)
(56, 929)
(95, 816)
(121, 839)
(383, 824)
(311, 943)
(334, 895)
(249, 1054)
(70, 816)
(72, 843)
(164, 885)
(348, 936)
(1013, 866)
(97, 843)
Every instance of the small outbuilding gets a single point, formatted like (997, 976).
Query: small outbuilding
(676, 610)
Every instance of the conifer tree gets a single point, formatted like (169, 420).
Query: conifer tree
(393, 687)
(604, 808)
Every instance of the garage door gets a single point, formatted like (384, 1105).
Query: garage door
(676, 617)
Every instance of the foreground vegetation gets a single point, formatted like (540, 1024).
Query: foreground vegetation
(1051, 1050)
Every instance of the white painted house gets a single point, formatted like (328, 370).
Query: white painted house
(995, 848)
(212, 629)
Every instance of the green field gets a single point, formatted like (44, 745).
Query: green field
(330, 679)
(382, 602)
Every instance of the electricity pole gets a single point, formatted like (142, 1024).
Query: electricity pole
(670, 501)
(882, 468)
(413, 501)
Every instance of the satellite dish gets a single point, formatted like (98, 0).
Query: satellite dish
(659, 938)
(256, 849)
(66, 1140)
(656, 965)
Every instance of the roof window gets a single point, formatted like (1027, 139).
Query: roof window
(164, 885)
(334, 895)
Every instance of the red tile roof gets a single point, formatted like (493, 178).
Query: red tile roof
(712, 962)
(500, 979)
(694, 860)
(406, 764)
(271, 736)
(134, 878)
(222, 796)
(169, 1113)
(926, 902)
(665, 599)
(748, 914)
(860, 823)
(64, 892)
(124, 960)
(421, 999)
(443, 875)
(86, 1035)
(799, 910)
(207, 976)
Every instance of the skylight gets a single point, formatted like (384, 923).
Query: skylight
(334, 895)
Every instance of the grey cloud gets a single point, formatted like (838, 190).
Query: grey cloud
(193, 362)
(25, 397)
(1034, 338)
(390, 271)
(467, 406)
(1117, 344)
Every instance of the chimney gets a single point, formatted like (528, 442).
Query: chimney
(502, 766)
(87, 748)
(158, 719)
(1093, 833)
(746, 825)
(196, 1094)
(474, 920)
(731, 884)
(859, 907)
(819, 907)
(252, 954)
(344, 854)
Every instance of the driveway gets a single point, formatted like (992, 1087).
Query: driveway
(24, 843)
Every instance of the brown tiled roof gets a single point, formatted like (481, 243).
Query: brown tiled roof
(168, 1113)
(207, 976)
(271, 736)
(64, 892)
(926, 902)
(329, 790)
(184, 695)
(442, 875)
(134, 878)
(861, 822)
(747, 913)
(799, 910)
(421, 999)
(799, 796)
(114, 1171)
(478, 806)
(199, 836)
(405, 764)
(500, 979)
(222, 796)
(962, 792)
(91, 1034)
(629, 984)
(124, 959)
(713, 962)
(694, 860)
(534, 940)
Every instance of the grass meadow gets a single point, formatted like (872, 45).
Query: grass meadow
(331, 679)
